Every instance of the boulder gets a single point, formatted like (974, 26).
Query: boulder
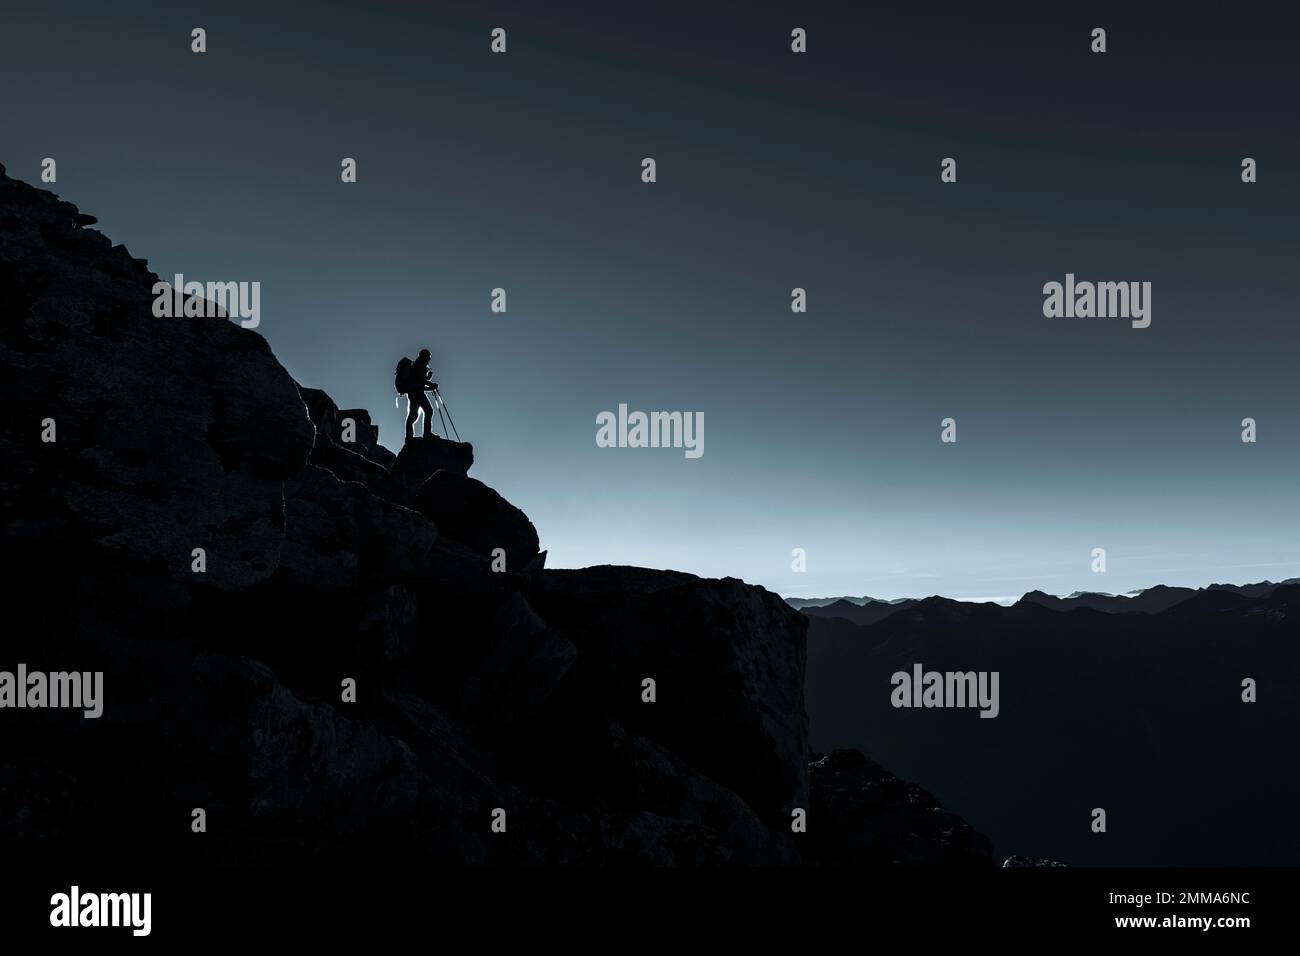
(421, 457)
(861, 815)
(470, 512)
(728, 662)
(367, 436)
(331, 429)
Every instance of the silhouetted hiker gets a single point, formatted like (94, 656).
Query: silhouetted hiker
(412, 379)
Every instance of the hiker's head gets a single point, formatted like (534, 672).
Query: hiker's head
(425, 355)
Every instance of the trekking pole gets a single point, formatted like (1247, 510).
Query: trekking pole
(441, 405)
(438, 405)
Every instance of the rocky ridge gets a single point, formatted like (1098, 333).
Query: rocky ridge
(229, 547)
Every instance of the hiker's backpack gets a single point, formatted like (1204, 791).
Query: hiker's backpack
(402, 375)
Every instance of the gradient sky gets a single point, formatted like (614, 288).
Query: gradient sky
(775, 171)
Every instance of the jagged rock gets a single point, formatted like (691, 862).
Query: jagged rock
(728, 662)
(584, 825)
(862, 815)
(306, 759)
(362, 460)
(331, 422)
(581, 596)
(421, 457)
(35, 805)
(522, 662)
(172, 434)
(348, 465)
(321, 409)
(534, 568)
(338, 534)
(367, 436)
(1031, 862)
(389, 622)
(668, 786)
(472, 513)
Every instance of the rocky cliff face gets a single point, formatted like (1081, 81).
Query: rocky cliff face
(230, 548)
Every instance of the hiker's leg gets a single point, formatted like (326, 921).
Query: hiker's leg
(428, 415)
(412, 409)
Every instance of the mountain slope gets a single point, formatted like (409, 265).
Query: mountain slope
(312, 640)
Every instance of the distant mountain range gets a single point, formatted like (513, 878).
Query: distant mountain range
(1148, 600)
(1140, 714)
(869, 610)
(801, 603)
(849, 609)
